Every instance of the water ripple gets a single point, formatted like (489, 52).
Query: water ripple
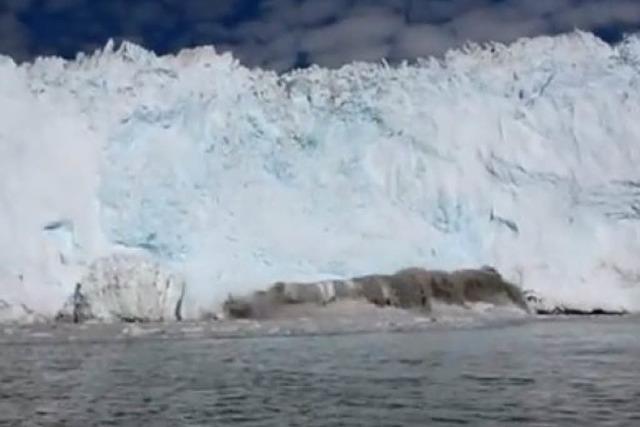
(535, 374)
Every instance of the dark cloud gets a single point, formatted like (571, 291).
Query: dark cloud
(281, 34)
(363, 28)
(441, 11)
(206, 10)
(14, 37)
(422, 40)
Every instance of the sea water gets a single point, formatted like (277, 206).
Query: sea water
(543, 372)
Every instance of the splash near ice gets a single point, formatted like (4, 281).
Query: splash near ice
(522, 157)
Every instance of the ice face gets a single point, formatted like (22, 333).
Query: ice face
(523, 157)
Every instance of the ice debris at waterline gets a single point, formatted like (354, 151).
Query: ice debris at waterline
(542, 306)
(523, 157)
(112, 281)
(128, 289)
(412, 288)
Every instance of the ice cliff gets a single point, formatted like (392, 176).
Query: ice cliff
(522, 157)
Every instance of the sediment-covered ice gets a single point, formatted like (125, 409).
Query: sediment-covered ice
(522, 157)
(414, 289)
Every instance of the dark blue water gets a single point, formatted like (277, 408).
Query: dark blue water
(582, 372)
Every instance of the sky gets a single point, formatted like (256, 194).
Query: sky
(286, 34)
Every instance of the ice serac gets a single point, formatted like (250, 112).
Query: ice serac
(129, 289)
(523, 157)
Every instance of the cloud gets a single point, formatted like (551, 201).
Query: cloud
(54, 6)
(362, 29)
(205, 10)
(314, 12)
(277, 33)
(298, 13)
(275, 54)
(14, 37)
(592, 14)
(501, 24)
(433, 11)
(334, 32)
(336, 58)
(260, 31)
(13, 6)
(422, 40)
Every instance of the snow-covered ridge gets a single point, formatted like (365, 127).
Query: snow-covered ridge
(522, 157)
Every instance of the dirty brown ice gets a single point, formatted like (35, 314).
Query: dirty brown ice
(412, 288)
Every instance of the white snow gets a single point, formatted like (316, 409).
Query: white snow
(523, 157)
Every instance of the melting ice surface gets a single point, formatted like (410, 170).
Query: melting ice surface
(523, 157)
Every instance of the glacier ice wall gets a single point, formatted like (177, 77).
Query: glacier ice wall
(523, 157)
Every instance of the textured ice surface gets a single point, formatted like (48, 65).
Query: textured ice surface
(522, 157)
(128, 288)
